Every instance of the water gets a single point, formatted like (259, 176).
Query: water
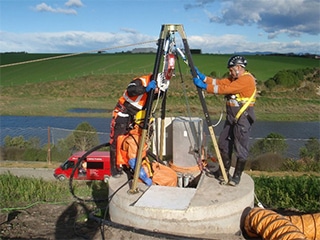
(100, 124)
(296, 133)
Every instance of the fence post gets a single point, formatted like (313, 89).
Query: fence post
(49, 147)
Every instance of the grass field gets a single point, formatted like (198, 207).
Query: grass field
(95, 81)
(264, 67)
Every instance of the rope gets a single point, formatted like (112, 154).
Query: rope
(74, 54)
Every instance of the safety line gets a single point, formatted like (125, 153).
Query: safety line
(74, 54)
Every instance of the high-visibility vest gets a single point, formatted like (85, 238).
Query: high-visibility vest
(140, 100)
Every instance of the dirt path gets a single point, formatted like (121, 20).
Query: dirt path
(55, 222)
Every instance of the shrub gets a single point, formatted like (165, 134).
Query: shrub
(311, 150)
(270, 83)
(287, 78)
(33, 154)
(266, 162)
(273, 143)
(301, 166)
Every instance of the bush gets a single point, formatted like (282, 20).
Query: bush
(288, 78)
(301, 166)
(13, 153)
(266, 162)
(273, 143)
(311, 150)
(270, 83)
(33, 154)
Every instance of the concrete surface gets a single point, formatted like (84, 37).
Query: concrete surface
(204, 211)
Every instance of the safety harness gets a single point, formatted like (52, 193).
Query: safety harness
(245, 106)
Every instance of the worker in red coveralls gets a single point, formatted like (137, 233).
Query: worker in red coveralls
(239, 90)
(131, 102)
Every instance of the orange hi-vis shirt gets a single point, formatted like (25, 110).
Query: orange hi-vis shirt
(137, 101)
(243, 87)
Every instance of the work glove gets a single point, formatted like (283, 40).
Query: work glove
(200, 75)
(151, 85)
(199, 83)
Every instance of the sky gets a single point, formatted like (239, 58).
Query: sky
(214, 26)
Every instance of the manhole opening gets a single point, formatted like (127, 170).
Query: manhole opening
(188, 180)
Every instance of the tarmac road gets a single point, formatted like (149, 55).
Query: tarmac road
(44, 173)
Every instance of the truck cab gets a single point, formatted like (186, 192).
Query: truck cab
(96, 166)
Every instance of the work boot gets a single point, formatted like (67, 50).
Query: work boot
(235, 180)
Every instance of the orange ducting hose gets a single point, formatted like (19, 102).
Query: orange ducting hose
(270, 225)
(309, 224)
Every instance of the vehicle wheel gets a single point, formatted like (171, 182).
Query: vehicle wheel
(106, 179)
(62, 177)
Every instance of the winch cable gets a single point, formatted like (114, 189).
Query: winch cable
(196, 150)
(185, 60)
(163, 81)
(206, 112)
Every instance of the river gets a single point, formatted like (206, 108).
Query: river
(296, 133)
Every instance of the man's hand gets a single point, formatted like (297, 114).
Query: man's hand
(200, 75)
(151, 85)
(199, 83)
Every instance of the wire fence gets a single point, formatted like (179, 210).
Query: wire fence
(52, 136)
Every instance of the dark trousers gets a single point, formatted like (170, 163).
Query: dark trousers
(235, 137)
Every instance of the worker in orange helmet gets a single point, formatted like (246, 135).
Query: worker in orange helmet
(132, 101)
(239, 90)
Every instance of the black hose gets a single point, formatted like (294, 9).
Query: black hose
(76, 166)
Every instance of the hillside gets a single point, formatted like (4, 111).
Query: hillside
(53, 87)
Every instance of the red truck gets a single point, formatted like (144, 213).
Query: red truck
(96, 166)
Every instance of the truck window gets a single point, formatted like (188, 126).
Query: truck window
(95, 165)
(67, 164)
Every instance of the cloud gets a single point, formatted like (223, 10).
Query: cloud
(71, 42)
(43, 7)
(198, 3)
(80, 41)
(74, 3)
(129, 30)
(293, 17)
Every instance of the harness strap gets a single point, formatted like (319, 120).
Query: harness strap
(244, 107)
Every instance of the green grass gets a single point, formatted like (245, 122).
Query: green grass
(264, 67)
(19, 192)
(302, 192)
(73, 67)
(53, 87)
(299, 192)
(55, 98)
